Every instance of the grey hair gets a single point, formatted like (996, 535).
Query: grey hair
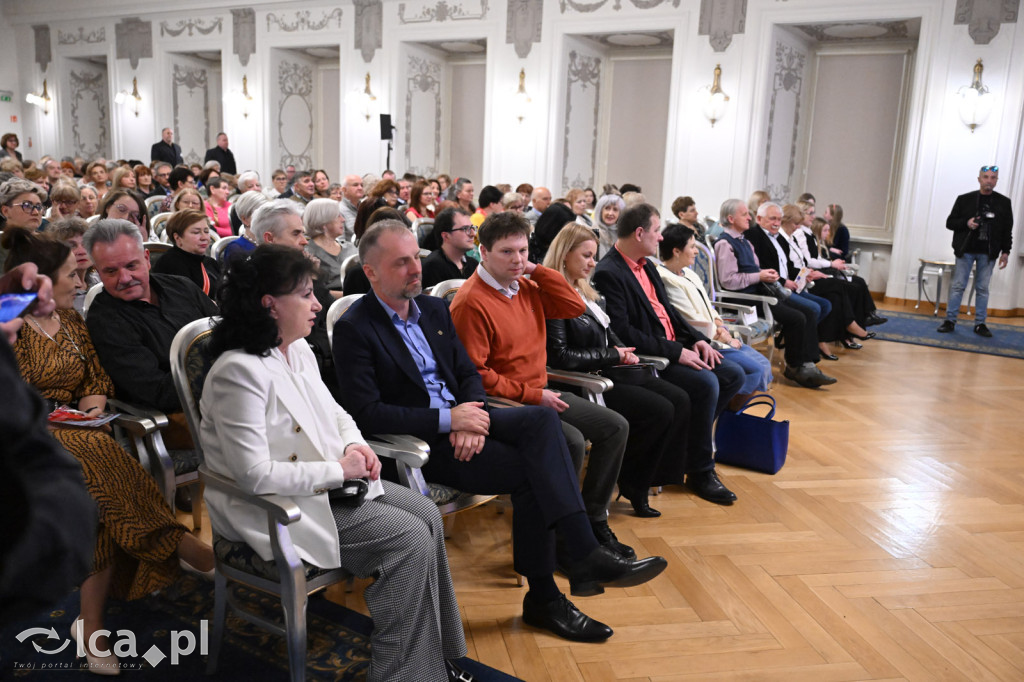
(457, 186)
(371, 238)
(508, 198)
(10, 190)
(729, 208)
(108, 231)
(762, 210)
(270, 217)
(245, 178)
(212, 163)
(248, 203)
(318, 213)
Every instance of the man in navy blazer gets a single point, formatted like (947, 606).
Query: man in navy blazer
(643, 317)
(402, 369)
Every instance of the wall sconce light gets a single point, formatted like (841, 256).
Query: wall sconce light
(133, 97)
(522, 98)
(976, 102)
(713, 98)
(245, 97)
(367, 99)
(42, 100)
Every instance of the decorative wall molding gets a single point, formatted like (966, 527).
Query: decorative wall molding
(442, 11)
(587, 7)
(134, 39)
(243, 34)
(368, 27)
(894, 30)
(295, 137)
(720, 20)
(523, 21)
(44, 55)
(424, 76)
(984, 17)
(97, 35)
(190, 78)
(787, 77)
(583, 71)
(192, 26)
(88, 95)
(303, 21)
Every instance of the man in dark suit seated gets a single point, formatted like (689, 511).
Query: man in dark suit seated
(402, 369)
(644, 318)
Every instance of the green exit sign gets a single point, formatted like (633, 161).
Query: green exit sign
(6, 95)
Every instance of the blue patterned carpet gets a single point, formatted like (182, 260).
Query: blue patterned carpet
(1007, 340)
(339, 642)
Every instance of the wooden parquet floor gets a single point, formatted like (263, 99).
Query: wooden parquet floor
(890, 546)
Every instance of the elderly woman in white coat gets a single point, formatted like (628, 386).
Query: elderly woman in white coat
(271, 425)
(686, 292)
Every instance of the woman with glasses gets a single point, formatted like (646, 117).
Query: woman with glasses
(64, 200)
(188, 199)
(21, 203)
(9, 146)
(421, 201)
(127, 205)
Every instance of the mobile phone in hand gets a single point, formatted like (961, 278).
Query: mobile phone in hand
(15, 305)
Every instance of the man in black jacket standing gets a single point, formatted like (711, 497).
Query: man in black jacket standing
(982, 225)
(166, 149)
(222, 155)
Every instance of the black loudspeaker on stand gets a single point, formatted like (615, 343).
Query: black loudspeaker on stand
(387, 133)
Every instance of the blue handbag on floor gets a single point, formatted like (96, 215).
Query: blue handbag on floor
(752, 442)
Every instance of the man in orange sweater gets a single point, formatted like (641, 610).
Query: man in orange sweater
(499, 316)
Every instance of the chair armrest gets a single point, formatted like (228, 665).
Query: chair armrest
(588, 382)
(158, 418)
(137, 427)
(281, 509)
(770, 300)
(408, 450)
(659, 362)
(497, 401)
(735, 307)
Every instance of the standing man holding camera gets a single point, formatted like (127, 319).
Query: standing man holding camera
(982, 225)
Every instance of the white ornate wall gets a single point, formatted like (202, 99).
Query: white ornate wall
(940, 156)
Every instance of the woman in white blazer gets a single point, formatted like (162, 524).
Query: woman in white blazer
(270, 424)
(686, 292)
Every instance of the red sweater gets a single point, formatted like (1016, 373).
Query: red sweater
(506, 338)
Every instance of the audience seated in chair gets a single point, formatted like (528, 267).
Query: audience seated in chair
(657, 411)
(739, 270)
(452, 227)
(270, 424)
(138, 541)
(325, 226)
(189, 232)
(643, 317)
(403, 369)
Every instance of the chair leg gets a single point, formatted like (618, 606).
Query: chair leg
(293, 603)
(220, 594)
(449, 526)
(196, 490)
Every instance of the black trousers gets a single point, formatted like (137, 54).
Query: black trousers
(658, 413)
(524, 455)
(833, 327)
(799, 331)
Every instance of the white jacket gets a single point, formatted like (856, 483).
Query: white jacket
(275, 429)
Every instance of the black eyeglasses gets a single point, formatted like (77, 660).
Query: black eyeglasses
(992, 169)
(468, 230)
(29, 207)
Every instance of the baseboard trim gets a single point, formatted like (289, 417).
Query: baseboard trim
(909, 303)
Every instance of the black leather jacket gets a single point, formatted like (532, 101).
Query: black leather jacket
(581, 344)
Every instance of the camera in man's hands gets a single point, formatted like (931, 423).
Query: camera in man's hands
(985, 218)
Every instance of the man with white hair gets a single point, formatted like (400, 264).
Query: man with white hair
(352, 193)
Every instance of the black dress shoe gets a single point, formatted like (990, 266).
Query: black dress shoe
(829, 356)
(605, 536)
(875, 319)
(183, 500)
(639, 500)
(850, 344)
(604, 567)
(563, 618)
(456, 673)
(869, 335)
(946, 327)
(982, 330)
(706, 485)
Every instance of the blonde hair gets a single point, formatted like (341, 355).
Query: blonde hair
(567, 239)
(792, 214)
(756, 199)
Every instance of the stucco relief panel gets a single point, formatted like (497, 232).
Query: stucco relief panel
(88, 108)
(295, 114)
(582, 104)
(442, 10)
(422, 115)
(783, 120)
(190, 88)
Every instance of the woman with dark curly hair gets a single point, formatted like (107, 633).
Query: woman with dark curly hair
(270, 423)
